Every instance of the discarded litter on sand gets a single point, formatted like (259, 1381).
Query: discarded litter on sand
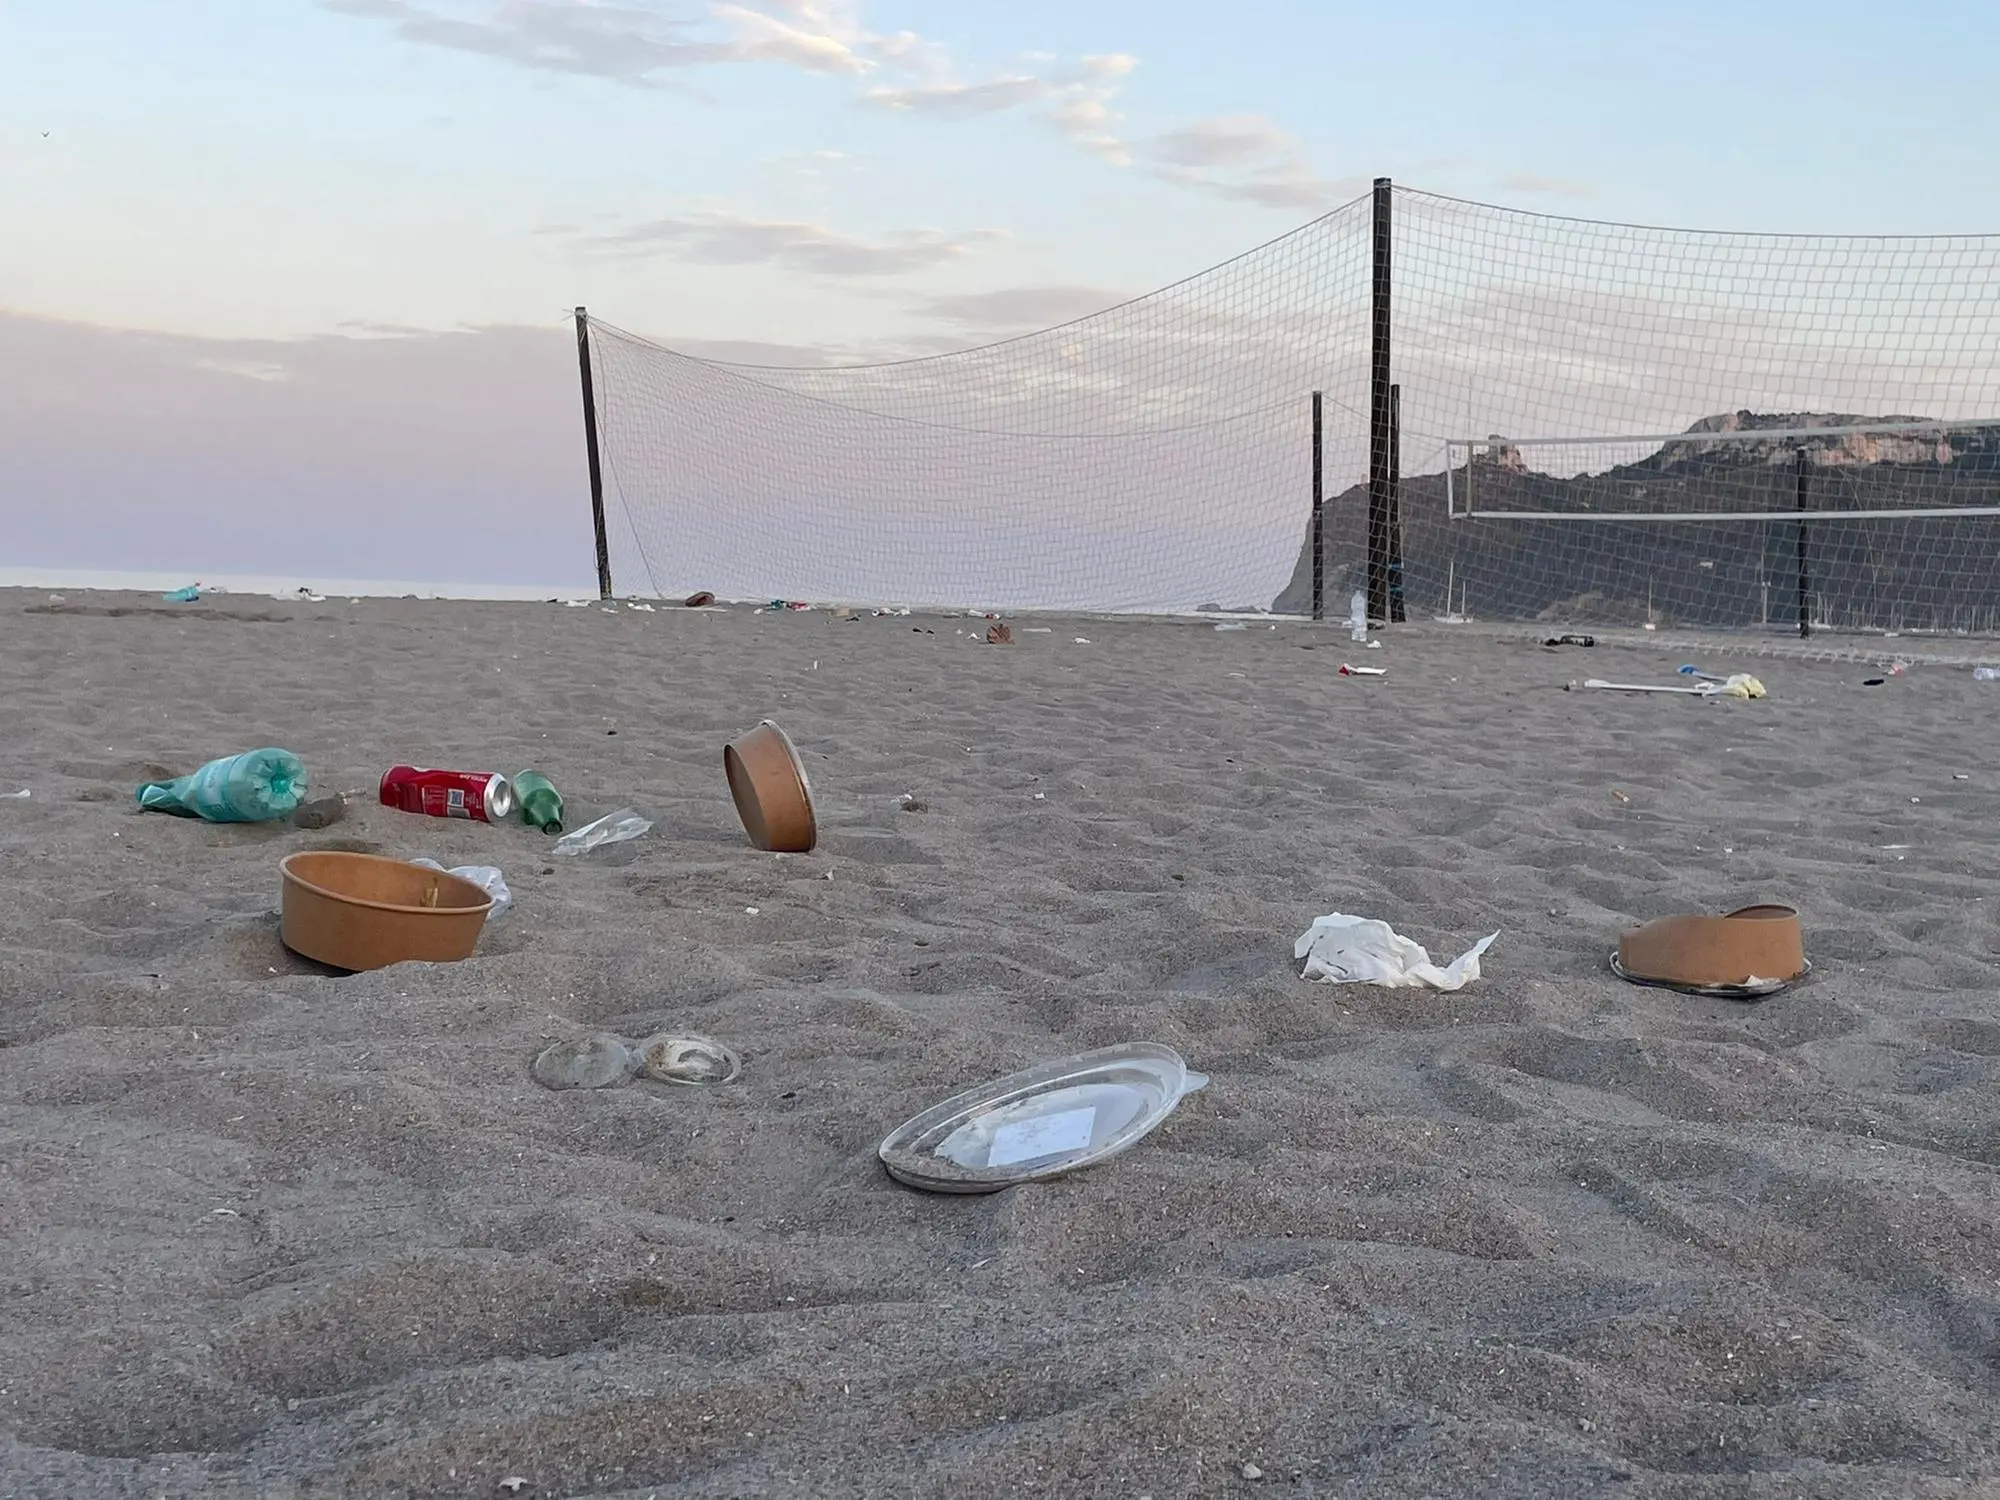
(256, 786)
(1339, 949)
(767, 781)
(599, 1061)
(1739, 685)
(604, 1060)
(687, 1060)
(1043, 1122)
(487, 877)
(1735, 685)
(484, 796)
(1747, 954)
(362, 911)
(612, 828)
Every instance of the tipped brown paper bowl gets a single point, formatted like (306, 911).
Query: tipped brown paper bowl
(1753, 951)
(360, 911)
(772, 794)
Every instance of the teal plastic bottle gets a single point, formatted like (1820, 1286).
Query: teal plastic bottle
(253, 787)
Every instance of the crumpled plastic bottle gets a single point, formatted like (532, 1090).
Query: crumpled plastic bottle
(612, 828)
(253, 787)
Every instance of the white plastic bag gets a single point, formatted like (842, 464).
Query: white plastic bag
(1340, 949)
(486, 877)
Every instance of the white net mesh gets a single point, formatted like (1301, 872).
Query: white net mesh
(1154, 457)
(1544, 328)
(1157, 456)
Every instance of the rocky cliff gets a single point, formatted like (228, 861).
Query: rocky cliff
(1935, 573)
(1847, 450)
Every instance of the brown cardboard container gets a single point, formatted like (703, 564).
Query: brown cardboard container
(360, 911)
(772, 794)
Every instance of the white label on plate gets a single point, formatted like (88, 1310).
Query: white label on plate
(1024, 1140)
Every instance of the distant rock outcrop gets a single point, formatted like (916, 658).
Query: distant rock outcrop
(1849, 449)
(1701, 572)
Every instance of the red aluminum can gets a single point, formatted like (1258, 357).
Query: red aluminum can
(481, 795)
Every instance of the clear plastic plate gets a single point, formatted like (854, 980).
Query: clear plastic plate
(1043, 1122)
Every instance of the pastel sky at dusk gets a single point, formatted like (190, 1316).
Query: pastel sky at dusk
(283, 282)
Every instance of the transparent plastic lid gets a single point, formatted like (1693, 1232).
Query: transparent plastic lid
(604, 1061)
(1043, 1122)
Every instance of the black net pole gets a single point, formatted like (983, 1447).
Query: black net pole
(1396, 615)
(1801, 497)
(1378, 414)
(1319, 518)
(590, 450)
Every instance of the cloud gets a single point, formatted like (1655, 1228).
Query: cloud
(629, 43)
(1282, 188)
(1081, 108)
(1527, 182)
(1244, 158)
(763, 353)
(1076, 100)
(1222, 141)
(814, 39)
(717, 237)
(962, 100)
(1034, 307)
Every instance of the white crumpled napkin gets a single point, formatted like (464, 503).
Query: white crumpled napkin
(1340, 949)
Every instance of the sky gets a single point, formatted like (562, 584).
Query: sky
(285, 282)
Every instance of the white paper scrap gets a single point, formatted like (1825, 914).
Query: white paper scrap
(1026, 1140)
(1340, 949)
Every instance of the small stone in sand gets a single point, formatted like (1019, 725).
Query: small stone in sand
(320, 812)
(1251, 1471)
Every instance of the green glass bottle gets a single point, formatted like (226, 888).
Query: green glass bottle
(539, 801)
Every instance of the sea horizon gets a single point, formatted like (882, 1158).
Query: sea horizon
(281, 585)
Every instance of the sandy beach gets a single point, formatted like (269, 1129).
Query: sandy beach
(268, 1231)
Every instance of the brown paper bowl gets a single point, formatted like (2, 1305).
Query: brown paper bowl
(359, 911)
(772, 794)
(1755, 948)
